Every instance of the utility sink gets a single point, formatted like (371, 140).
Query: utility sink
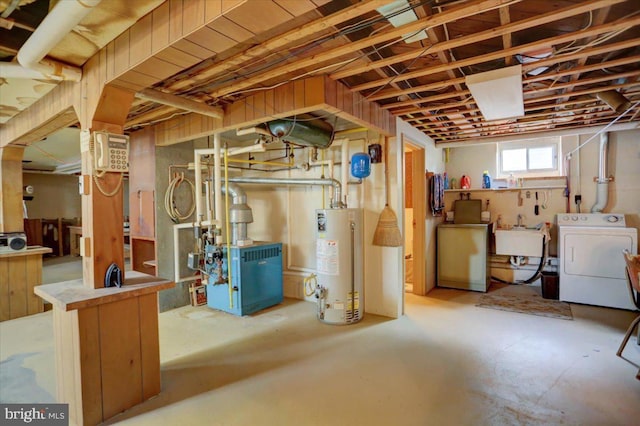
(519, 241)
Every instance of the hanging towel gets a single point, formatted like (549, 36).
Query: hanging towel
(436, 197)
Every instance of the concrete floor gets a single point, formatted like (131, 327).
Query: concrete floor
(445, 362)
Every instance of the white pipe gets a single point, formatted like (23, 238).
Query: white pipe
(602, 190)
(217, 181)
(198, 184)
(56, 25)
(217, 169)
(344, 171)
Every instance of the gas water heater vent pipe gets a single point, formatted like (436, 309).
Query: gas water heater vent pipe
(602, 189)
(239, 214)
(336, 202)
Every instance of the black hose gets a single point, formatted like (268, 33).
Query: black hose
(536, 275)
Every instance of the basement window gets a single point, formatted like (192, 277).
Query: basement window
(530, 158)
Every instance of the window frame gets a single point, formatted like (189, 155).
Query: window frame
(555, 142)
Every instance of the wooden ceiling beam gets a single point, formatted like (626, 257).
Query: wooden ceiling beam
(599, 18)
(526, 101)
(470, 8)
(578, 110)
(178, 102)
(530, 47)
(567, 12)
(507, 39)
(553, 75)
(533, 125)
(481, 127)
(150, 116)
(527, 109)
(277, 43)
(525, 92)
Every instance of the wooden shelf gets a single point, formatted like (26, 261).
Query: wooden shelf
(524, 188)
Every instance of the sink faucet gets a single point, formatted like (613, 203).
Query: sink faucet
(519, 220)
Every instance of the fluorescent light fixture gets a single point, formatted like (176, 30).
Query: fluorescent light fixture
(498, 93)
(390, 11)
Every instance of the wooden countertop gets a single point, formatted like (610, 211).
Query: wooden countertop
(30, 251)
(70, 295)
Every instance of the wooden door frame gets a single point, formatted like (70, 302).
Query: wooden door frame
(419, 195)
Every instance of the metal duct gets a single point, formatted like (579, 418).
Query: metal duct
(305, 131)
(616, 100)
(239, 213)
(602, 190)
(337, 188)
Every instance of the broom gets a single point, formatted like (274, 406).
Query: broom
(387, 233)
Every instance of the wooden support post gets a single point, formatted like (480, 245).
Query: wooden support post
(102, 204)
(11, 213)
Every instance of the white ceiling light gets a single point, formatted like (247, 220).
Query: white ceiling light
(498, 93)
(390, 11)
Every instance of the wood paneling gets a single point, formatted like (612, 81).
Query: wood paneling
(5, 309)
(211, 39)
(20, 274)
(230, 29)
(121, 357)
(160, 28)
(87, 348)
(177, 57)
(11, 211)
(107, 353)
(140, 42)
(149, 345)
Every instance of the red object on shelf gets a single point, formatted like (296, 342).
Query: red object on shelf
(465, 182)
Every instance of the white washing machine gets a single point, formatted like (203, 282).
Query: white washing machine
(592, 269)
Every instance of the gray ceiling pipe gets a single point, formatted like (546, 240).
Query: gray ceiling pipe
(336, 202)
(602, 190)
(239, 213)
(303, 130)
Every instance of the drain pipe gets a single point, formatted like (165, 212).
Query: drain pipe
(336, 202)
(602, 191)
(56, 25)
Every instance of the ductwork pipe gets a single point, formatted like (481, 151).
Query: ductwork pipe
(55, 26)
(336, 202)
(602, 190)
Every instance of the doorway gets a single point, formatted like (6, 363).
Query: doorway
(414, 212)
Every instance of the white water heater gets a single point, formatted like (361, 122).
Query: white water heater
(339, 252)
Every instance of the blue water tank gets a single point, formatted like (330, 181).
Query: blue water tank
(360, 165)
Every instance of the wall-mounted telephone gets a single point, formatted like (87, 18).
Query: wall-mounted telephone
(111, 152)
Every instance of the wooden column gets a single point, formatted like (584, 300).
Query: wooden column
(11, 213)
(102, 212)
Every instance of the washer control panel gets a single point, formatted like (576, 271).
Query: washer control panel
(591, 219)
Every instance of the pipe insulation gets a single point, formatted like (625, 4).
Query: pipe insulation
(336, 202)
(602, 188)
(62, 19)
